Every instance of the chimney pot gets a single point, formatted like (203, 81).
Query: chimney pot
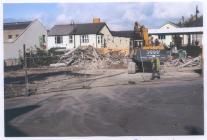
(96, 20)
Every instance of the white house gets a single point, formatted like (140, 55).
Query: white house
(70, 36)
(16, 34)
(97, 34)
(183, 35)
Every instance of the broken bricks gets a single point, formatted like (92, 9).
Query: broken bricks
(91, 57)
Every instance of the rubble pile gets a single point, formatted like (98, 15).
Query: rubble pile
(113, 57)
(187, 62)
(90, 58)
(190, 62)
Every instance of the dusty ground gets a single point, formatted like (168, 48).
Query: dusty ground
(112, 103)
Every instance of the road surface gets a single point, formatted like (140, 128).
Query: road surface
(111, 106)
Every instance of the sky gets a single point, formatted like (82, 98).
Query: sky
(118, 16)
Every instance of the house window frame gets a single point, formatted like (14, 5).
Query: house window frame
(84, 39)
(9, 36)
(99, 39)
(56, 40)
(70, 39)
(44, 38)
(102, 39)
(161, 37)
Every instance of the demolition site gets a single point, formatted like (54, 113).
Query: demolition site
(87, 80)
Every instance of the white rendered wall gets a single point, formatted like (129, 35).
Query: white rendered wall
(30, 38)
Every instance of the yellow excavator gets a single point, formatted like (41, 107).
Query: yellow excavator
(143, 50)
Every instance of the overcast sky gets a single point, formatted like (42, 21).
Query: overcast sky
(118, 16)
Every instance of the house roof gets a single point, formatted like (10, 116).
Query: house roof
(122, 33)
(88, 28)
(128, 34)
(77, 29)
(171, 23)
(61, 30)
(16, 25)
(183, 30)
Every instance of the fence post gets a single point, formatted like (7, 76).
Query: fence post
(25, 69)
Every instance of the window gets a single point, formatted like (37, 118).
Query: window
(84, 39)
(58, 39)
(161, 36)
(99, 39)
(43, 38)
(17, 35)
(9, 36)
(138, 43)
(70, 39)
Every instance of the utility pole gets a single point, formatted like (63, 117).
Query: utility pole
(25, 69)
(197, 12)
(196, 22)
(84, 70)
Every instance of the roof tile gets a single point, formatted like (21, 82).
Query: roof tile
(77, 29)
(16, 25)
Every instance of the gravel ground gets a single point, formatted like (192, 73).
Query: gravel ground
(110, 105)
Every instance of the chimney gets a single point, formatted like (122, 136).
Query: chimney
(96, 20)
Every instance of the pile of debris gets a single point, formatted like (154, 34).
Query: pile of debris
(184, 63)
(90, 58)
(190, 62)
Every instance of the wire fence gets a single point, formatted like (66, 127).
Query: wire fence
(33, 75)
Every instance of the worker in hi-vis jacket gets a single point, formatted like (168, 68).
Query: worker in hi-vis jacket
(155, 68)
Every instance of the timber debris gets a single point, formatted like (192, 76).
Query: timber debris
(91, 58)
